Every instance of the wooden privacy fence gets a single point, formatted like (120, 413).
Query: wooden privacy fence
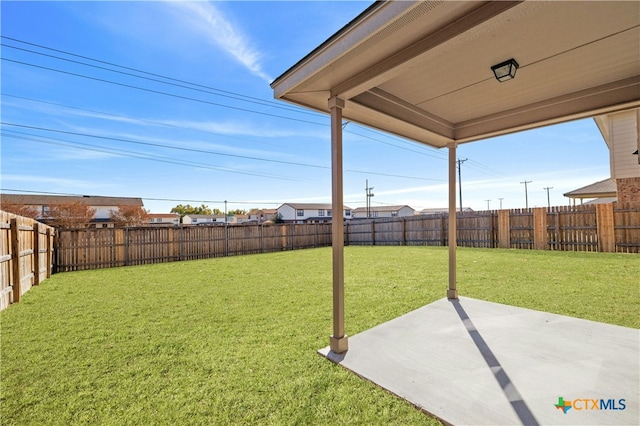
(605, 228)
(26, 256)
(80, 249)
(601, 227)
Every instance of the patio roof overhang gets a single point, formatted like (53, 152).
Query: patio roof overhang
(422, 70)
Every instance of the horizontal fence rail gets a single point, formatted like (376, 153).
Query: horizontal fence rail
(603, 228)
(26, 256)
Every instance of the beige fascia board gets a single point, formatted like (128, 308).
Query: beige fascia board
(608, 98)
(356, 32)
(602, 121)
(591, 195)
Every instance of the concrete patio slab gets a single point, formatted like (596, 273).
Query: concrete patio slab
(470, 362)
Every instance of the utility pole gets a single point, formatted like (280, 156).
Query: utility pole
(369, 194)
(488, 201)
(500, 202)
(460, 161)
(548, 199)
(526, 194)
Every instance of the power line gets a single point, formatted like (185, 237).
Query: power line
(209, 152)
(142, 120)
(235, 95)
(232, 95)
(144, 198)
(196, 86)
(159, 92)
(210, 89)
(134, 154)
(213, 133)
(143, 156)
(200, 151)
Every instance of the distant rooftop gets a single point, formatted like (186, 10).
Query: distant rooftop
(91, 200)
(601, 189)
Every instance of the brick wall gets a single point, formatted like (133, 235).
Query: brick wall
(628, 189)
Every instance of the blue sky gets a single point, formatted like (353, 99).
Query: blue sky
(189, 116)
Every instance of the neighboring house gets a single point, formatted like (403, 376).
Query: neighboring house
(620, 133)
(309, 212)
(203, 219)
(382, 211)
(164, 219)
(604, 191)
(261, 215)
(42, 203)
(443, 210)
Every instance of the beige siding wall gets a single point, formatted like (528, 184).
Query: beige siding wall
(624, 137)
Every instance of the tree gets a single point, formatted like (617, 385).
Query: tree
(237, 211)
(129, 216)
(70, 215)
(277, 218)
(20, 210)
(189, 209)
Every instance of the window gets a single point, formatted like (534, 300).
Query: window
(195, 220)
(394, 214)
(374, 214)
(347, 212)
(299, 213)
(320, 212)
(46, 210)
(328, 212)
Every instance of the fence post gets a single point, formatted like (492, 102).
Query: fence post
(492, 237)
(404, 231)
(120, 249)
(49, 252)
(347, 234)
(36, 254)
(540, 228)
(605, 228)
(373, 232)
(15, 258)
(293, 236)
(504, 235)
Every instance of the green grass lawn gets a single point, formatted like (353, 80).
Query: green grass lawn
(234, 340)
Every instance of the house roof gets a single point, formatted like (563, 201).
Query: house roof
(205, 216)
(311, 206)
(263, 211)
(165, 215)
(44, 200)
(422, 70)
(606, 200)
(601, 189)
(382, 208)
(443, 210)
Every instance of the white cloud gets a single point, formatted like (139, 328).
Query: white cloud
(209, 20)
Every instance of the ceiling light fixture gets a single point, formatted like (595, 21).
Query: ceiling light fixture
(505, 70)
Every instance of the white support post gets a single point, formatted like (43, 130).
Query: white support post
(452, 292)
(338, 341)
